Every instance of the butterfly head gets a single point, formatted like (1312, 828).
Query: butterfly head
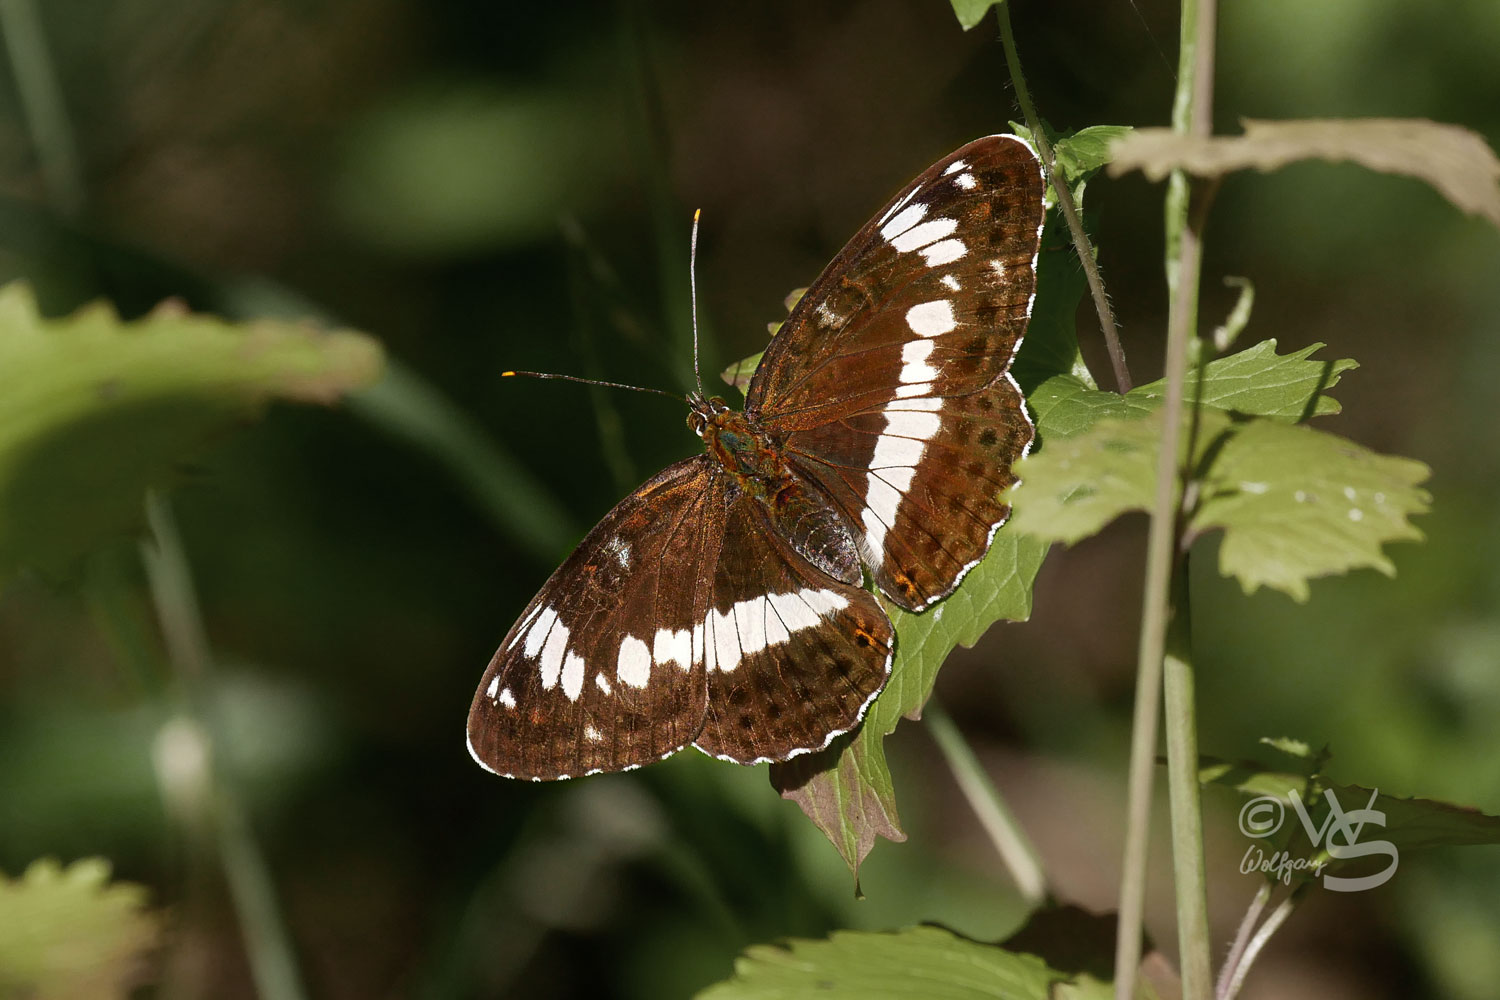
(704, 412)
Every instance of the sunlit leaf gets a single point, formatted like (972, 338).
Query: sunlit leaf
(971, 12)
(927, 962)
(1294, 503)
(740, 373)
(1078, 484)
(68, 934)
(1454, 160)
(1258, 382)
(1087, 150)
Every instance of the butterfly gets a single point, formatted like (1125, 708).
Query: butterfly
(722, 604)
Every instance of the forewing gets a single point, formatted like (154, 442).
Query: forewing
(889, 384)
(930, 297)
(601, 672)
(793, 656)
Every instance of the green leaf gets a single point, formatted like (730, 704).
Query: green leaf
(927, 962)
(1295, 503)
(1405, 824)
(1300, 749)
(1065, 406)
(971, 12)
(1087, 150)
(1255, 382)
(1078, 484)
(1050, 348)
(1420, 824)
(846, 790)
(67, 933)
(93, 410)
(740, 373)
(1259, 382)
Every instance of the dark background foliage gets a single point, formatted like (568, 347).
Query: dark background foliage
(490, 186)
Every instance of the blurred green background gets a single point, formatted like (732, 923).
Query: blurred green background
(486, 186)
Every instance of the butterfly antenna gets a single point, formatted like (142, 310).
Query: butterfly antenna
(594, 381)
(693, 293)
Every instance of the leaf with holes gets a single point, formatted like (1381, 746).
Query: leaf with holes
(1293, 503)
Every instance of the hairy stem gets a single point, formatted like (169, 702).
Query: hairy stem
(1065, 202)
(1230, 988)
(1242, 939)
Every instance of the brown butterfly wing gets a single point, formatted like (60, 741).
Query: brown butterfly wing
(888, 384)
(601, 672)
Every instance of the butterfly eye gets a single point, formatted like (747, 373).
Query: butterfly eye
(696, 423)
(717, 402)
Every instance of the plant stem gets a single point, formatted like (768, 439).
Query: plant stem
(1241, 939)
(1182, 784)
(1192, 112)
(187, 769)
(1012, 844)
(1065, 202)
(42, 104)
(1230, 988)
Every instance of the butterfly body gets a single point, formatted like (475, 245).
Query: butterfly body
(721, 604)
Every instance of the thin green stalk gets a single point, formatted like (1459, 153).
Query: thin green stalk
(1192, 112)
(1065, 202)
(1183, 792)
(1012, 844)
(43, 105)
(187, 769)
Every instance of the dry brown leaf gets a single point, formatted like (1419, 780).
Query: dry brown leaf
(1454, 160)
